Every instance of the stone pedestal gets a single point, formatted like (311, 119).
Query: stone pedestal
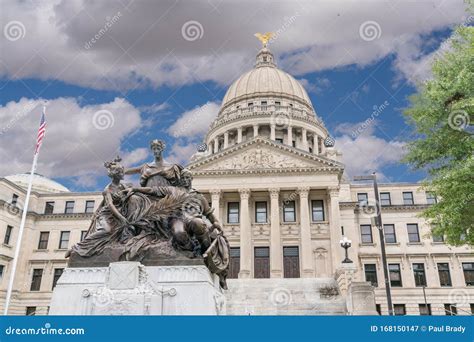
(344, 275)
(361, 299)
(130, 288)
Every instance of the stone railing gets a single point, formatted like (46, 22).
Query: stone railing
(266, 110)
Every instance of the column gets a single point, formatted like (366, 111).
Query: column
(305, 235)
(215, 199)
(272, 132)
(239, 135)
(290, 136)
(216, 145)
(304, 139)
(315, 144)
(226, 139)
(323, 148)
(255, 130)
(245, 235)
(337, 254)
(276, 254)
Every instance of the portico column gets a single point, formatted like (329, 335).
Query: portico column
(216, 145)
(255, 130)
(245, 235)
(304, 139)
(305, 235)
(276, 258)
(290, 136)
(239, 135)
(226, 139)
(215, 198)
(315, 144)
(335, 227)
(272, 132)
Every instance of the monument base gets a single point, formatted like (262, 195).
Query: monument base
(130, 288)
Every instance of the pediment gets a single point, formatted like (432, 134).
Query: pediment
(260, 154)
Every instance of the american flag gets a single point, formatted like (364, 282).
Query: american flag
(41, 131)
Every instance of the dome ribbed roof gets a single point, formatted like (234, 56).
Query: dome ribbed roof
(40, 183)
(265, 80)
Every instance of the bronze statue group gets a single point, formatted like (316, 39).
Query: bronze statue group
(164, 208)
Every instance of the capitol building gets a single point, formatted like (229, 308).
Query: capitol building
(271, 171)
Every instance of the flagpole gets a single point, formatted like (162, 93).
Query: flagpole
(20, 232)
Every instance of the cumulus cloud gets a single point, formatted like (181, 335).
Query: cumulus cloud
(78, 138)
(127, 44)
(365, 153)
(194, 123)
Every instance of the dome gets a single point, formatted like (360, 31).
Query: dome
(265, 80)
(40, 183)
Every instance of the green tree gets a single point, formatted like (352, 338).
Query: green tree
(442, 113)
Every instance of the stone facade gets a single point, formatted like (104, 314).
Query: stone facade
(278, 186)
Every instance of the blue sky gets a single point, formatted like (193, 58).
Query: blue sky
(147, 90)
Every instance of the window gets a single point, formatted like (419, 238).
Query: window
(468, 269)
(472, 308)
(366, 233)
(438, 238)
(310, 149)
(293, 143)
(31, 310)
(419, 273)
(279, 140)
(371, 274)
(399, 309)
(90, 206)
(49, 208)
(57, 274)
(8, 235)
(395, 275)
(233, 212)
(262, 262)
(2, 268)
(43, 240)
(234, 264)
(444, 274)
(425, 309)
(263, 103)
(14, 199)
(277, 104)
(385, 199)
(413, 233)
(362, 197)
(291, 262)
(431, 198)
(289, 212)
(69, 209)
(250, 104)
(261, 212)
(317, 209)
(389, 233)
(64, 240)
(408, 198)
(450, 309)
(83, 234)
(378, 308)
(36, 279)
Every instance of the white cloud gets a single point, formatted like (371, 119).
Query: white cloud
(145, 46)
(181, 153)
(194, 123)
(366, 152)
(78, 139)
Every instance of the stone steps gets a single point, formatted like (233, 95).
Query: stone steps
(301, 296)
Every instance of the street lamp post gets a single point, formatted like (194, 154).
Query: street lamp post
(379, 225)
(346, 244)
